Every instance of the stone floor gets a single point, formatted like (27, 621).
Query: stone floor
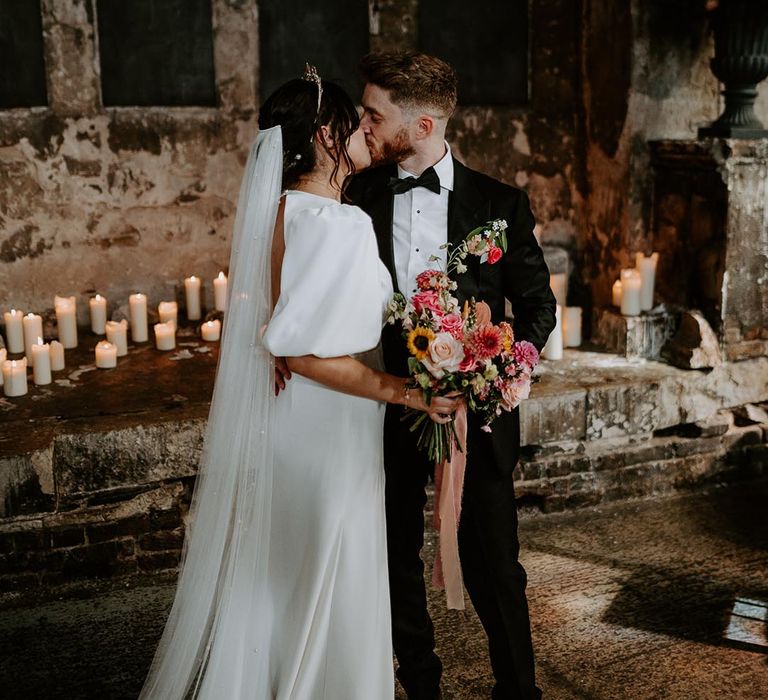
(629, 601)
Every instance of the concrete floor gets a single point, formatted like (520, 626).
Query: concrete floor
(628, 602)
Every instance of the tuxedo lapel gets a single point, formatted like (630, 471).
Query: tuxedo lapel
(467, 209)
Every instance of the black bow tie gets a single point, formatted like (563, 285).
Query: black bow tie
(428, 179)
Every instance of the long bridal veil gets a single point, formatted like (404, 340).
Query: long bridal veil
(225, 558)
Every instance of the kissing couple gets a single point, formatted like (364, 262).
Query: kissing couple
(301, 570)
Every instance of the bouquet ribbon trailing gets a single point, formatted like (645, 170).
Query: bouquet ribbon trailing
(449, 485)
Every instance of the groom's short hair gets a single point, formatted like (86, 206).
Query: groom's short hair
(413, 79)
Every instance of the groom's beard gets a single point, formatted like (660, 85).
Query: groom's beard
(393, 151)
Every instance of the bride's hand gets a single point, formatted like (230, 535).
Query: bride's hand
(440, 409)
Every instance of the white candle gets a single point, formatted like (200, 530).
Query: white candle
(98, 306)
(553, 350)
(57, 356)
(14, 330)
(572, 326)
(168, 312)
(211, 330)
(15, 377)
(165, 336)
(647, 268)
(220, 292)
(630, 292)
(559, 284)
(106, 355)
(41, 366)
(117, 334)
(616, 293)
(138, 311)
(66, 319)
(192, 289)
(33, 329)
(3, 356)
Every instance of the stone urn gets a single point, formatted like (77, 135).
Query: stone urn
(740, 63)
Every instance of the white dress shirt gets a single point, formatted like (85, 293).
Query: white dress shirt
(420, 226)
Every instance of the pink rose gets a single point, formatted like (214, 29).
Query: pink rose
(482, 314)
(494, 255)
(469, 363)
(453, 324)
(514, 392)
(427, 299)
(445, 355)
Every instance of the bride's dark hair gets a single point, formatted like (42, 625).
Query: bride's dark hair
(294, 107)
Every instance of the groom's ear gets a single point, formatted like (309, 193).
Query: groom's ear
(425, 126)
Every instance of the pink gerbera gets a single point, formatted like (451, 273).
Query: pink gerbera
(486, 342)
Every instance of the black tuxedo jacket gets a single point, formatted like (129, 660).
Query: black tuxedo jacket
(521, 276)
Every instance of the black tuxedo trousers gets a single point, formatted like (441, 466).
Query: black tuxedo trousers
(488, 541)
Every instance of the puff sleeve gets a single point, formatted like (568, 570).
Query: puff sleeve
(332, 286)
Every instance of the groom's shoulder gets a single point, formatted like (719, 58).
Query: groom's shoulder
(492, 189)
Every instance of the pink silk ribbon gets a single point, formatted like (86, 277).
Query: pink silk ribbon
(449, 484)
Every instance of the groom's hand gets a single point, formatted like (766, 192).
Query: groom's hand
(282, 374)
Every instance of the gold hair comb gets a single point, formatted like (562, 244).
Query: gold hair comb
(311, 75)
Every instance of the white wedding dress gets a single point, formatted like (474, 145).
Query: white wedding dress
(328, 584)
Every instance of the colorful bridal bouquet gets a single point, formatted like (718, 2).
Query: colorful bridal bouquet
(459, 349)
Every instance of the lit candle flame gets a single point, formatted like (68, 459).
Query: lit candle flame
(221, 275)
(39, 340)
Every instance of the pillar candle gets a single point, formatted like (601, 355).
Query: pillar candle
(33, 329)
(66, 319)
(572, 326)
(138, 312)
(15, 377)
(41, 366)
(168, 312)
(165, 336)
(57, 356)
(559, 284)
(211, 330)
(192, 289)
(553, 350)
(647, 268)
(106, 355)
(14, 330)
(3, 356)
(630, 292)
(220, 292)
(117, 334)
(616, 293)
(98, 306)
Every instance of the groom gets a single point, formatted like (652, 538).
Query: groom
(419, 198)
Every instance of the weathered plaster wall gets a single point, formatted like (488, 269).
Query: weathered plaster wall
(650, 81)
(121, 199)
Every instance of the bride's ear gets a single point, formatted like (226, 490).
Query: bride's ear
(326, 138)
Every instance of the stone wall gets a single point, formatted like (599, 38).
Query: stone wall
(650, 81)
(121, 199)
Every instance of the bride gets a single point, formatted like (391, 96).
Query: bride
(283, 590)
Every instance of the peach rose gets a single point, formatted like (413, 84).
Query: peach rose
(514, 392)
(445, 355)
